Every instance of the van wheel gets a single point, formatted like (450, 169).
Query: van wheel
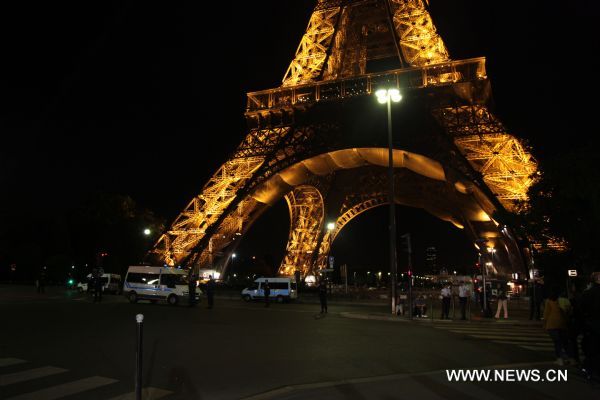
(172, 300)
(280, 299)
(132, 296)
(246, 298)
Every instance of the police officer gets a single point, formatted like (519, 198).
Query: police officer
(267, 292)
(97, 278)
(323, 296)
(192, 288)
(210, 291)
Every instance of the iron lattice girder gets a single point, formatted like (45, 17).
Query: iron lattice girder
(306, 207)
(312, 51)
(419, 40)
(507, 168)
(206, 222)
(343, 43)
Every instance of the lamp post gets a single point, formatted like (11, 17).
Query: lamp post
(387, 96)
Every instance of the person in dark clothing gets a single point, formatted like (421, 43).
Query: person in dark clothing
(210, 291)
(192, 289)
(323, 296)
(97, 279)
(267, 292)
(536, 298)
(574, 325)
(590, 308)
(41, 282)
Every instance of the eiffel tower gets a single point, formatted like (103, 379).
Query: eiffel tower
(319, 141)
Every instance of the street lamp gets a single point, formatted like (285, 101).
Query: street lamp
(147, 231)
(330, 226)
(387, 96)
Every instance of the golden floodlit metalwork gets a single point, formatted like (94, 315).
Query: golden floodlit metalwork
(309, 142)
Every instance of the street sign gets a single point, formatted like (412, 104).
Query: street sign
(572, 272)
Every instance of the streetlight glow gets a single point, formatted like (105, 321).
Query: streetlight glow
(385, 95)
(233, 255)
(147, 231)
(331, 226)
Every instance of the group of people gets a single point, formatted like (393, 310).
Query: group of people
(209, 289)
(419, 304)
(567, 316)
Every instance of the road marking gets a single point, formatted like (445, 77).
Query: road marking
(539, 334)
(495, 328)
(22, 376)
(499, 337)
(539, 348)
(5, 362)
(149, 393)
(66, 389)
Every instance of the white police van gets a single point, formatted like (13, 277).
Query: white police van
(157, 283)
(111, 283)
(282, 289)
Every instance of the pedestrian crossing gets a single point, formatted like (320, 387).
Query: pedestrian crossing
(527, 337)
(19, 380)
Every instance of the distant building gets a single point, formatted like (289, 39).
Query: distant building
(431, 260)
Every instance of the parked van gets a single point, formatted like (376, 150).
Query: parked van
(111, 283)
(157, 283)
(282, 289)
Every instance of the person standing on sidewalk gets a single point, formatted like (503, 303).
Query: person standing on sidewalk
(210, 291)
(266, 292)
(446, 294)
(556, 325)
(192, 288)
(463, 296)
(97, 279)
(41, 281)
(590, 307)
(502, 301)
(536, 297)
(323, 296)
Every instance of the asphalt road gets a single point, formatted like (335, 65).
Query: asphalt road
(61, 344)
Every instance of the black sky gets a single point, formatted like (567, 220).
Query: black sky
(147, 98)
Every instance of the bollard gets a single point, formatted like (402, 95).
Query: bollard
(138, 357)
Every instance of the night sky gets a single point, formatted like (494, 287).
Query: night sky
(147, 99)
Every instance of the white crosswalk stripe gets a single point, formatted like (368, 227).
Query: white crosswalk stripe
(529, 338)
(65, 389)
(6, 362)
(27, 375)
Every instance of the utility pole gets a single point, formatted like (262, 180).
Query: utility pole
(406, 237)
